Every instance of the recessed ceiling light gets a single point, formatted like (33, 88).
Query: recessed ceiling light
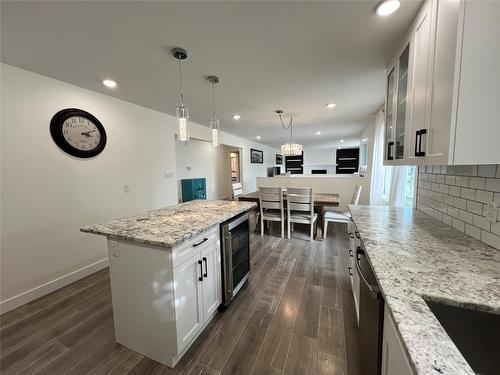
(331, 105)
(318, 133)
(236, 117)
(341, 141)
(258, 137)
(387, 7)
(109, 83)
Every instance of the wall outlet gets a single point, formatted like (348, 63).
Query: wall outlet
(169, 174)
(492, 211)
(113, 248)
(126, 188)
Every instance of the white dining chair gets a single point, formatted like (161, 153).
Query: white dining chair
(300, 207)
(271, 207)
(332, 216)
(237, 190)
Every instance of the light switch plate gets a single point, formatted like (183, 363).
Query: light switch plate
(126, 188)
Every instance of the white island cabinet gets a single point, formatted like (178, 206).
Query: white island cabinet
(394, 358)
(164, 297)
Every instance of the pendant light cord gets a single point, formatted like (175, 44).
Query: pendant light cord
(213, 100)
(289, 126)
(180, 82)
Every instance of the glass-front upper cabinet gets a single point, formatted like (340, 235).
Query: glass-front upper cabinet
(403, 65)
(389, 114)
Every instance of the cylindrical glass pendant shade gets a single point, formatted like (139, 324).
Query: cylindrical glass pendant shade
(214, 126)
(183, 117)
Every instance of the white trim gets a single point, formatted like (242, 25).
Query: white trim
(44, 289)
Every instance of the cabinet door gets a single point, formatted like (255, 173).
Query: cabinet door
(212, 287)
(402, 104)
(444, 80)
(421, 80)
(188, 301)
(394, 361)
(390, 104)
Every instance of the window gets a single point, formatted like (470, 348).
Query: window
(386, 190)
(363, 158)
(410, 186)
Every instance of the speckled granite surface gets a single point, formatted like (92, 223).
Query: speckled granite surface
(415, 256)
(170, 226)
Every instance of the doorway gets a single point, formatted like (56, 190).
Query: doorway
(234, 157)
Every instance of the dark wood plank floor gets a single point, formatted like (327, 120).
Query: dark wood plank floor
(294, 316)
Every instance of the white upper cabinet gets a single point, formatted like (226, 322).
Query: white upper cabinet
(452, 107)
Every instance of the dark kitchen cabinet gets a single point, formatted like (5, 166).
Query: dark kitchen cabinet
(347, 160)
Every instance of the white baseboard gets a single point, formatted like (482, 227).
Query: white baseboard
(42, 290)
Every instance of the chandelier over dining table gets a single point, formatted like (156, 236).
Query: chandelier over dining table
(290, 148)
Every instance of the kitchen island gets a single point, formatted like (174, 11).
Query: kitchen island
(420, 262)
(165, 268)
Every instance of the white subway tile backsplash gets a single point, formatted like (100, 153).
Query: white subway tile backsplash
(459, 203)
(495, 228)
(469, 170)
(449, 180)
(482, 222)
(467, 193)
(477, 182)
(473, 231)
(459, 196)
(489, 170)
(462, 181)
(455, 191)
(493, 184)
(491, 239)
(459, 225)
(475, 207)
(484, 196)
(465, 216)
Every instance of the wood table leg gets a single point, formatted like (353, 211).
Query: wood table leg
(319, 224)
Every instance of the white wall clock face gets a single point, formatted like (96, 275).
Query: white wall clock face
(78, 133)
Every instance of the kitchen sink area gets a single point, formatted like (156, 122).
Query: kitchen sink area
(475, 333)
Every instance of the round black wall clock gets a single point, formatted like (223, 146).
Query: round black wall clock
(78, 133)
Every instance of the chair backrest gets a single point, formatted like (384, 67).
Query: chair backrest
(237, 189)
(300, 199)
(270, 198)
(356, 195)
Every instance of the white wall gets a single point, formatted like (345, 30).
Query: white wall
(196, 159)
(46, 195)
(369, 133)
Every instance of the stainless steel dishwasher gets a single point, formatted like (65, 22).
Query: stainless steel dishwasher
(371, 316)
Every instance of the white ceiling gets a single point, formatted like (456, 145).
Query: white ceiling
(293, 55)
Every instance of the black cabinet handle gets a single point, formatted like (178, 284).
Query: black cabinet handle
(351, 235)
(350, 270)
(199, 243)
(206, 267)
(350, 253)
(418, 142)
(357, 234)
(201, 271)
(389, 151)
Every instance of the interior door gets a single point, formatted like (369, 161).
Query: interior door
(188, 300)
(212, 288)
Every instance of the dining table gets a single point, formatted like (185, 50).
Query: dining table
(321, 201)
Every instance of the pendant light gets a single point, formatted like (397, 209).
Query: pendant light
(214, 121)
(291, 148)
(182, 110)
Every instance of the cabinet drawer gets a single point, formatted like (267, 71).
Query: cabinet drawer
(193, 246)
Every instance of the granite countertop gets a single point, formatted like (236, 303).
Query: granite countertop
(170, 226)
(415, 256)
